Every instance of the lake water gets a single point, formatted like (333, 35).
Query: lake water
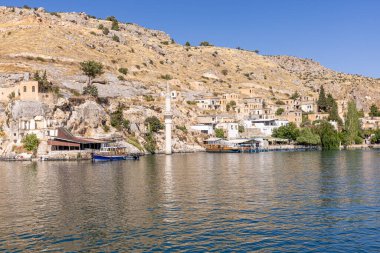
(288, 202)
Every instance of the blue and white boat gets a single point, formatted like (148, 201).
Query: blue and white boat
(106, 154)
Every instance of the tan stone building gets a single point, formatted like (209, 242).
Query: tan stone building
(26, 90)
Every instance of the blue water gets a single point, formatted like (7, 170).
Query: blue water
(270, 202)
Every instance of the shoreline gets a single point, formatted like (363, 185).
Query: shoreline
(279, 148)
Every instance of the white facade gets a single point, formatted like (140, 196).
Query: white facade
(308, 107)
(231, 129)
(206, 129)
(265, 126)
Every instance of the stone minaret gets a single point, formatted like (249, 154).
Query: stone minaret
(168, 122)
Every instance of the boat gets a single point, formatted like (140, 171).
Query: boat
(222, 149)
(114, 154)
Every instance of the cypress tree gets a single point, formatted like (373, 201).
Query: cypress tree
(352, 123)
(322, 101)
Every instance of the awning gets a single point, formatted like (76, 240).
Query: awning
(63, 144)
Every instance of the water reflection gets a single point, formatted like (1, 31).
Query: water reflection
(312, 201)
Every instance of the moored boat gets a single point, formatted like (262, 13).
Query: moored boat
(114, 154)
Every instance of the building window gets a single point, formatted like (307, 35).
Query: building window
(24, 88)
(33, 89)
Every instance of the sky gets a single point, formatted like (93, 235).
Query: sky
(343, 35)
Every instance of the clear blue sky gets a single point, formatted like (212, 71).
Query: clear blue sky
(341, 34)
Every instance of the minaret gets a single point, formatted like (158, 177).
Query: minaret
(168, 122)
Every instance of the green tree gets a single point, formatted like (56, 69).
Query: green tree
(31, 142)
(279, 111)
(187, 44)
(374, 111)
(329, 136)
(153, 124)
(352, 123)
(289, 131)
(91, 69)
(150, 143)
(322, 103)
(295, 95)
(219, 133)
(115, 25)
(307, 137)
(118, 121)
(333, 110)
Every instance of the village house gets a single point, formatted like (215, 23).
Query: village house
(317, 116)
(263, 127)
(26, 91)
(203, 128)
(227, 98)
(370, 123)
(293, 116)
(231, 129)
(208, 103)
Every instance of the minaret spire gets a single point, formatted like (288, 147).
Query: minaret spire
(168, 122)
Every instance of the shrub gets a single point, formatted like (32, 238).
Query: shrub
(279, 102)
(219, 133)
(121, 78)
(295, 95)
(182, 128)
(148, 98)
(115, 38)
(118, 121)
(106, 128)
(307, 137)
(31, 142)
(55, 14)
(150, 144)
(115, 25)
(165, 42)
(205, 44)
(91, 90)
(187, 44)
(166, 77)
(241, 129)
(135, 142)
(279, 111)
(153, 124)
(225, 72)
(101, 27)
(12, 95)
(106, 31)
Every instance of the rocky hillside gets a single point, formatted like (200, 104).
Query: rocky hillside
(35, 40)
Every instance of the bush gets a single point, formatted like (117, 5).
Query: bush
(106, 31)
(290, 132)
(121, 78)
(124, 71)
(118, 121)
(279, 102)
(205, 44)
(165, 42)
(150, 144)
(31, 142)
(307, 137)
(153, 124)
(148, 98)
(241, 129)
(166, 77)
(279, 111)
(115, 25)
(187, 44)
(91, 90)
(115, 38)
(219, 133)
(225, 72)
(295, 95)
(101, 27)
(182, 128)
